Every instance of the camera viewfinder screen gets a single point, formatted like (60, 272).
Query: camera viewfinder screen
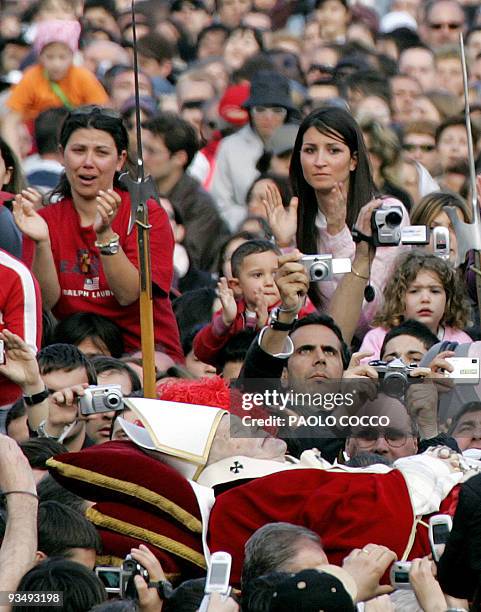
(401, 577)
(218, 571)
(109, 579)
(440, 534)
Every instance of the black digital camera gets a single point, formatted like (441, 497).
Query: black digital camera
(119, 581)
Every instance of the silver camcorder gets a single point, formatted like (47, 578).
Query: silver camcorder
(386, 225)
(323, 267)
(102, 398)
(394, 377)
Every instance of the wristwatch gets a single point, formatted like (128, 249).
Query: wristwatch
(36, 398)
(110, 247)
(274, 322)
(164, 588)
(42, 433)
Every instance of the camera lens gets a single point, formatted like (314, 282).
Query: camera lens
(319, 271)
(394, 384)
(113, 401)
(393, 218)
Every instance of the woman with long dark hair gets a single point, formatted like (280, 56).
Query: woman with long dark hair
(84, 258)
(332, 181)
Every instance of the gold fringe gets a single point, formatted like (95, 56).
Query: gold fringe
(163, 542)
(129, 488)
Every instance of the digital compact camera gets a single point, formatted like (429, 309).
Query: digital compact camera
(394, 377)
(323, 267)
(101, 398)
(400, 575)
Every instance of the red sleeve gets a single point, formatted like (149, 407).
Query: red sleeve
(22, 304)
(208, 342)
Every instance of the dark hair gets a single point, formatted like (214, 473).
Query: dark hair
(271, 547)
(213, 27)
(61, 528)
(81, 588)
(46, 129)
(176, 133)
(82, 325)
(247, 28)
(17, 180)
(64, 357)
(16, 411)
(465, 409)
(281, 182)
(102, 363)
(413, 328)
(223, 248)
(366, 459)
(92, 117)
(107, 5)
(155, 46)
(453, 121)
(186, 597)
(193, 308)
(251, 247)
(339, 124)
(370, 83)
(235, 348)
(117, 605)
(258, 594)
(327, 321)
(49, 489)
(39, 450)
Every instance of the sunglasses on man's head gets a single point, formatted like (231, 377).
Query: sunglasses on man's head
(94, 109)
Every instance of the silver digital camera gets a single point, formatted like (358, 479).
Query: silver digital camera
(101, 399)
(386, 225)
(323, 267)
(394, 377)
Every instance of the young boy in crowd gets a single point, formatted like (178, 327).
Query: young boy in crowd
(247, 298)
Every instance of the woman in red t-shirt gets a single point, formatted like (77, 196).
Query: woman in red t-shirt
(84, 258)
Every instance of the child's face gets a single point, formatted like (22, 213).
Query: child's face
(426, 300)
(56, 58)
(256, 276)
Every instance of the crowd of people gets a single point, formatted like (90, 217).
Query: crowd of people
(315, 299)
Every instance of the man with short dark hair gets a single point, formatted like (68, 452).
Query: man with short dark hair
(443, 22)
(170, 144)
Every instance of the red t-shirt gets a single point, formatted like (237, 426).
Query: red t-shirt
(82, 279)
(20, 312)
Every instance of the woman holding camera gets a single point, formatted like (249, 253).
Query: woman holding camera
(84, 259)
(332, 181)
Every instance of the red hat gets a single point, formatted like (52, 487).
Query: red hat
(230, 105)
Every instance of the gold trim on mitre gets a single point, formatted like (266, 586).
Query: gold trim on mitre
(122, 486)
(143, 409)
(160, 541)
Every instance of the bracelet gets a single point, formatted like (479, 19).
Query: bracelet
(356, 273)
(21, 493)
(102, 245)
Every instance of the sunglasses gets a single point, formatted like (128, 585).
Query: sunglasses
(425, 148)
(450, 26)
(94, 109)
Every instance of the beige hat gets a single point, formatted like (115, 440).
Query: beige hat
(181, 433)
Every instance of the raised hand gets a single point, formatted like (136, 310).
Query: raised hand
(20, 365)
(229, 306)
(292, 281)
(149, 600)
(28, 221)
(283, 220)
(334, 208)
(108, 203)
(261, 309)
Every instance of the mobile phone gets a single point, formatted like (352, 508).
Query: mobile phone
(110, 577)
(440, 527)
(466, 370)
(441, 242)
(400, 575)
(218, 574)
